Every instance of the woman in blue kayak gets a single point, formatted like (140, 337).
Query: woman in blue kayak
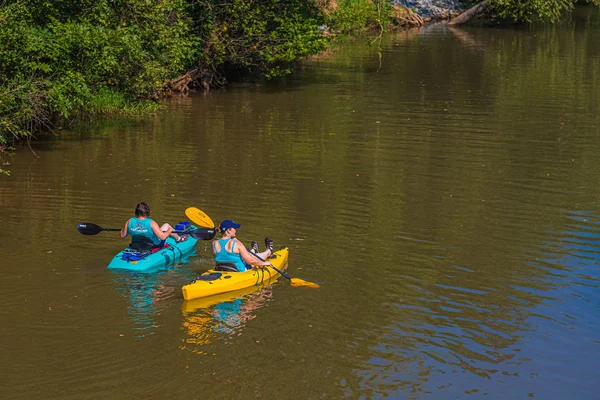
(230, 252)
(143, 225)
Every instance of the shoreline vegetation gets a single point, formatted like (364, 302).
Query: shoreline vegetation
(65, 62)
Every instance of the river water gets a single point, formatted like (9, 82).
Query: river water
(447, 202)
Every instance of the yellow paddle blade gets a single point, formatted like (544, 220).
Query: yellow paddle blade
(198, 217)
(301, 282)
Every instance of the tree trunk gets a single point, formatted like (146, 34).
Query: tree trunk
(467, 15)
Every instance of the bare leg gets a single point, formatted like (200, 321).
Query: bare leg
(265, 254)
(165, 227)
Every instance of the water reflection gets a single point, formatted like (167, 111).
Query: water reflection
(222, 316)
(148, 293)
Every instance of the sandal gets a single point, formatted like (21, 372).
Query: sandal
(269, 245)
(182, 238)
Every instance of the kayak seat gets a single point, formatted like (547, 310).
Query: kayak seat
(225, 266)
(141, 243)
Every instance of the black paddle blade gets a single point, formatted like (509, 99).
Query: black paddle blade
(87, 228)
(202, 233)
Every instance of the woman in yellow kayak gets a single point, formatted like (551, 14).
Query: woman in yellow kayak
(229, 251)
(143, 225)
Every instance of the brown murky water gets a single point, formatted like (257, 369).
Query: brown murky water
(448, 204)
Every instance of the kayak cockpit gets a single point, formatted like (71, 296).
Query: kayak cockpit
(226, 266)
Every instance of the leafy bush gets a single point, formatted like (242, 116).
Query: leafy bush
(351, 17)
(526, 10)
(68, 56)
(263, 35)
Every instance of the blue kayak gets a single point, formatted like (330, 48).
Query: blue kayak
(132, 260)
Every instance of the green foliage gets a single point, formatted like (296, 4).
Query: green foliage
(527, 10)
(264, 35)
(352, 17)
(63, 60)
(67, 56)
(111, 101)
(355, 16)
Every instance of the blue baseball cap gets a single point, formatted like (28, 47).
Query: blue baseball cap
(228, 224)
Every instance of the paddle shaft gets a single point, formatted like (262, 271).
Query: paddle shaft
(117, 229)
(272, 266)
(88, 228)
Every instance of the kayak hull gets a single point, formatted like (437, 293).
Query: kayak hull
(214, 282)
(175, 252)
(199, 303)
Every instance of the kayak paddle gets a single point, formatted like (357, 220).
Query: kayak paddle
(88, 228)
(200, 218)
(293, 281)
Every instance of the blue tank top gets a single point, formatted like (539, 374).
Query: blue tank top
(223, 256)
(142, 227)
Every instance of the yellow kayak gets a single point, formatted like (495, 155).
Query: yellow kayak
(214, 282)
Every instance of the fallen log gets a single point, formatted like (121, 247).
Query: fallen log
(467, 15)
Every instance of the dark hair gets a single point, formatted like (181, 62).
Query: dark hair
(142, 210)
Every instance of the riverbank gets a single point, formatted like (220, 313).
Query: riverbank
(63, 66)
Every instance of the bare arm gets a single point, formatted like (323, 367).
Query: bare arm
(160, 234)
(124, 230)
(247, 257)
